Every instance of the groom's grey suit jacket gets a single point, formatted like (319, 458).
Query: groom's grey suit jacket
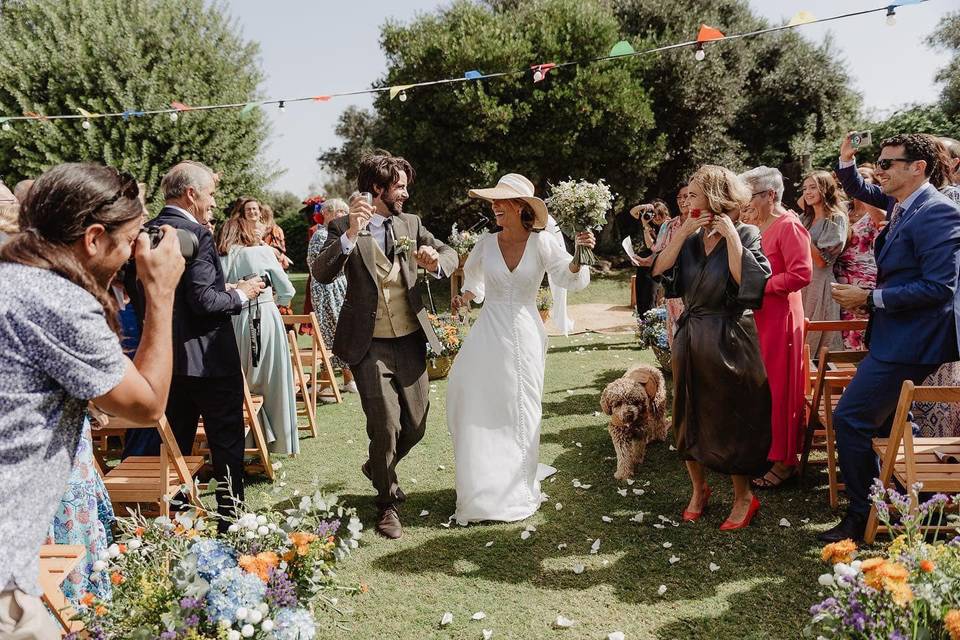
(359, 312)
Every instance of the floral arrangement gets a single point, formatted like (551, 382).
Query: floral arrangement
(175, 579)
(544, 300)
(910, 592)
(579, 205)
(463, 241)
(403, 245)
(652, 328)
(449, 332)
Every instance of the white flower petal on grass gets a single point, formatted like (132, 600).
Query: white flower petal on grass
(559, 506)
(424, 513)
(487, 634)
(561, 546)
(578, 569)
(630, 480)
(622, 492)
(524, 535)
(606, 518)
(662, 590)
(440, 467)
(530, 528)
(667, 545)
(446, 619)
(674, 559)
(569, 390)
(672, 448)
(784, 522)
(638, 492)
(595, 547)
(479, 615)
(805, 520)
(562, 623)
(489, 544)
(714, 567)
(579, 445)
(638, 517)
(413, 481)
(616, 635)
(596, 414)
(585, 486)
(576, 482)
(658, 526)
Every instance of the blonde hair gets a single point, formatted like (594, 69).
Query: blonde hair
(9, 218)
(724, 190)
(334, 204)
(237, 232)
(266, 215)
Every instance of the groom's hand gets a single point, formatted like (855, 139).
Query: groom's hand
(428, 258)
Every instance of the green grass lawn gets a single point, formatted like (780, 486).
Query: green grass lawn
(765, 580)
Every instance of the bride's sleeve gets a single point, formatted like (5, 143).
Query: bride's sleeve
(473, 270)
(556, 261)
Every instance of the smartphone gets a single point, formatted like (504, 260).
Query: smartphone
(860, 139)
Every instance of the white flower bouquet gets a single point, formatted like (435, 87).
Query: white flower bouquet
(579, 205)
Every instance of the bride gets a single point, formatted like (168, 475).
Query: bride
(496, 384)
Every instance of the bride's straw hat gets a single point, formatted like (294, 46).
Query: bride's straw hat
(514, 186)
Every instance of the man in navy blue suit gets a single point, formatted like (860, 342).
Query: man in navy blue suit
(914, 309)
(207, 376)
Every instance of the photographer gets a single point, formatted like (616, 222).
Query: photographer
(643, 236)
(207, 378)
(81, 222)
(260, 333)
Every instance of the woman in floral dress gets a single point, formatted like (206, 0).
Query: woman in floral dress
(328, 298)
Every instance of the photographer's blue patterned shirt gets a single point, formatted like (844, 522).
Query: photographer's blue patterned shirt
(56, 353)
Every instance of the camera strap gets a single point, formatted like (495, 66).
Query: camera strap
(255, 331)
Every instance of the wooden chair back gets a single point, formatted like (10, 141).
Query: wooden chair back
(56, 563)
(315, 360)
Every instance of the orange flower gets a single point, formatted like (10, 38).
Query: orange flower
(87, 599)
(289, 555)
(900, 592)
(123, 548)
(363, 587)
(259, 564)
(100, 610)
(138, 532)
(117, 578)
(301, 540)
(839, 551)
(927, 566)
(952, 622)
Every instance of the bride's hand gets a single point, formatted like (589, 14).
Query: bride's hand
(459, 303)
(586, 239)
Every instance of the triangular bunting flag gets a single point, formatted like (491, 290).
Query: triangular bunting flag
(906, 2)
(179, 106)
(86, 114)
(34, 115)
(473, 75)
(706, 34)
(622, 48)
(398, 88)
(540, 71)
(321, 98)
(802, 17)
(247, 108)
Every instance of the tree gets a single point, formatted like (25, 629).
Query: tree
(592, 121)
(947, 36)
(117, 55)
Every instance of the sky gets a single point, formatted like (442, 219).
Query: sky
(318, 47)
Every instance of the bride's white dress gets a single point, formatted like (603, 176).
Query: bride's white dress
(496, 383)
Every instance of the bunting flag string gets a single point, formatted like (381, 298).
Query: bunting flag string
(620, 50)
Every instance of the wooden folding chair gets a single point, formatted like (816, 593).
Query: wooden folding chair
(910, 460)
(153, 479)
(251, 426)
(309, 408)
(56, 563)
(315, 360)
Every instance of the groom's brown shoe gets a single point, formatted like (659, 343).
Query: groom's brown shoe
(388, 523)
(365, 469)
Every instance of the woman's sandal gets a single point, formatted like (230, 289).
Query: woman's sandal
(764, 482)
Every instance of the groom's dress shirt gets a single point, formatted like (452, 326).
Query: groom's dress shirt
(378, 231)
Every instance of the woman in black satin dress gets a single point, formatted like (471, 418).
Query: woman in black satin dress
(721, 402)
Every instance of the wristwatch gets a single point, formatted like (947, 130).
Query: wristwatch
(871, 305)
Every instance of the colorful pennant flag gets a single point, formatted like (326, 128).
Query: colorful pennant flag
(540, 71)
(321, 98)
(622, 48)
(473, 75)
(87, 114)
(802, 17)
(707, 34)
(247, 108)
(34, 115)
(179, 106)
(399, 89)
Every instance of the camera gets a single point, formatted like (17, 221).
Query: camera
(263, 276)
(647, 216)
(860, 139)
(189, 245)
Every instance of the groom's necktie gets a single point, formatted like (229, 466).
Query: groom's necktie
(388, 245)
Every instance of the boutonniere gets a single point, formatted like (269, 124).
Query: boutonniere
(364, 233)
(402, 245)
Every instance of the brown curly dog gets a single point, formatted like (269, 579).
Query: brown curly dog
(636, 404)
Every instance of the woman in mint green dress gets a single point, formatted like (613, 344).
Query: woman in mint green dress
(264, 354)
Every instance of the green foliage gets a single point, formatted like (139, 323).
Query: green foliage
(947, 36)
(117, 55)
(295, 228)
(587, 122)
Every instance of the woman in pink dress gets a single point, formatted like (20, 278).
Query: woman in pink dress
(786, 243)
(674, 305)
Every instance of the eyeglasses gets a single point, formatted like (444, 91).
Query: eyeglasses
(759, 193)
(128, 189)
(886, 163)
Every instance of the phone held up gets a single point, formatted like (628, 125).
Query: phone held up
(860, 139)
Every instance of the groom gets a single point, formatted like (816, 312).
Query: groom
(383, 327)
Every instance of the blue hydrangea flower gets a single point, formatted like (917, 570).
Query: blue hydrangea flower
(213, 557)
(232, 589)
(294, 624)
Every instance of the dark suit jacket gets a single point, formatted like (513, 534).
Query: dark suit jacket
(204, 344)
(917, 270)
(359, 312)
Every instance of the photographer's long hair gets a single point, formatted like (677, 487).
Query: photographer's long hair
(62, 203)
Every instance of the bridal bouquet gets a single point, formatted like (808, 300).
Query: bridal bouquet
(450, 334)
(579, 205)
(909, 592)
(176, 579)
(463, 241)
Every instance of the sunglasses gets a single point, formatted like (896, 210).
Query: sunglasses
(886, 163)
(128, 189)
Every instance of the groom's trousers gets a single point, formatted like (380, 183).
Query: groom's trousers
(394, 393)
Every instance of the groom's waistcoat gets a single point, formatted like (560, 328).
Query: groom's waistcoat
(395, 317)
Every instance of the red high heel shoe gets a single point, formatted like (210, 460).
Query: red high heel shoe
(752, 511)
(693, 516)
